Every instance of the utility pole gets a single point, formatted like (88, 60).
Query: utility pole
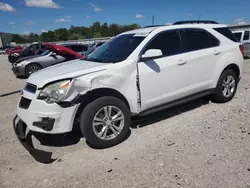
(153, 20)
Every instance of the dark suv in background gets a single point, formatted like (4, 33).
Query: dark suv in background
(32, 50)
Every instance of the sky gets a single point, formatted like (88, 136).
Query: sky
(24, 16)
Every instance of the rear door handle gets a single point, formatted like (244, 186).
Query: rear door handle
(182, 62)
(216, 52)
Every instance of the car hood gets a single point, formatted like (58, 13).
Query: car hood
(26, 58)
(70, 69)
(40, 58)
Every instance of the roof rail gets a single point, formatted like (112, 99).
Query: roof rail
(153, 26)
(195, 22)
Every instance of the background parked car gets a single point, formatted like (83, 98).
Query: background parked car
(56, 54)
(33, 49)
(243, 36)
(95, 46)
(89, 51)
(16, 49)
(2, 50)
(79, 48)
(30, 57)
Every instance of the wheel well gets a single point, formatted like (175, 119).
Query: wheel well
(34, 64)
(95, 94)
(100, 92)
(233, 67)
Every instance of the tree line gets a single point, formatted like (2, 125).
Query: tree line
(96, 30)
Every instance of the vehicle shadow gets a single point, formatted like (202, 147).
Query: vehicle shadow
(72, 138)
(21, 77)
(59, 140)
(140, 122)
(153, 65)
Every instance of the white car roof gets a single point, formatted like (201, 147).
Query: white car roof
(150, 29)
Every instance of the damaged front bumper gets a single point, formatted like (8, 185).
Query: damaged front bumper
(25, 137)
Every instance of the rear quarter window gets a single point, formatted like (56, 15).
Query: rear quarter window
(227, 33)
(238, 35)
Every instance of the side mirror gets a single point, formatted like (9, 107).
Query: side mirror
(152, 53)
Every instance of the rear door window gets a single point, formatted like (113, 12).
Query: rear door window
(246, 35)
(198, 39)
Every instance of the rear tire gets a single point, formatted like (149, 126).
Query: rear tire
(105, 122)
(226, 87)
(32, 68)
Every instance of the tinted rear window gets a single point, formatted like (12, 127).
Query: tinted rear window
(227, 33)
(198, 39)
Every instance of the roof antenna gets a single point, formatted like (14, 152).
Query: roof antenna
(199, 17)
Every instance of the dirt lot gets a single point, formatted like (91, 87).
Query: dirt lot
(196, 145)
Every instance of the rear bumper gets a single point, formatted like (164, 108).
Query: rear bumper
(24, 138)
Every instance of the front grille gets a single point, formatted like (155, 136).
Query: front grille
(24, 103)
(30, 88)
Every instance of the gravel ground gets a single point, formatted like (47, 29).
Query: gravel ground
(200, 144)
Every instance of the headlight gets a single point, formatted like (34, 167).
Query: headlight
(20, 64)
(55, 92)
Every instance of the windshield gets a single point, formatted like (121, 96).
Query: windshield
(115, 50)
(45, 52)
(238, 35)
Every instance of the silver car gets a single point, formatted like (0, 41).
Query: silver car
(243, 36)
(56, 54)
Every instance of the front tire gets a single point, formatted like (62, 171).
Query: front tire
(32, 68)
(226, 87)
(105, 122)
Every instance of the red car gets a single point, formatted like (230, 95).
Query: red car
(62, 50)
(16, 49)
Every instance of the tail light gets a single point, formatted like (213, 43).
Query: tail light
(242, 49)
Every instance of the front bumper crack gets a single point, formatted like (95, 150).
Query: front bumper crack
(25, 138)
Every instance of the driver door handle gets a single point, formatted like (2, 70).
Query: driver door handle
(182, 62)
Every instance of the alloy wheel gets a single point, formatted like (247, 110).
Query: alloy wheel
(108, 122)
(228, 86)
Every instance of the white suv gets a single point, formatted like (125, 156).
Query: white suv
(135, 73)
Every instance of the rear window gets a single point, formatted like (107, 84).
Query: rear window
(238, 36)
(227, 33)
